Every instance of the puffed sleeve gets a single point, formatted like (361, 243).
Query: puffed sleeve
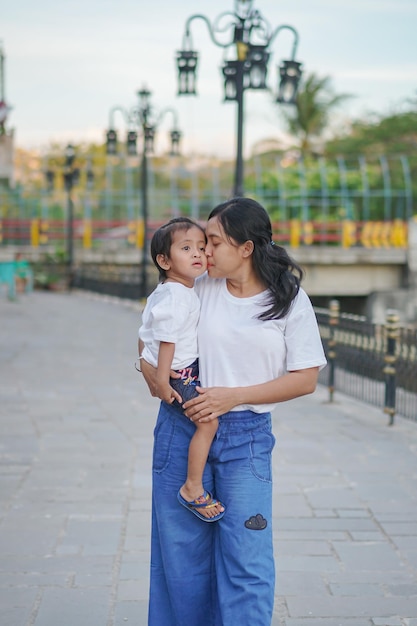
(302, 336)
(167, 318)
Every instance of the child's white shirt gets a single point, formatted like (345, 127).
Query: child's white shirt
(171, 314)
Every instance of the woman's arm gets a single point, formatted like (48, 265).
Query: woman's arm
(214, 401)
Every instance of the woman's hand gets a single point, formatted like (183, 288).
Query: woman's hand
(149, 374)
(211, 403)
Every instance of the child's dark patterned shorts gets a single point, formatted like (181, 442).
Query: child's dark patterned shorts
(186, 385)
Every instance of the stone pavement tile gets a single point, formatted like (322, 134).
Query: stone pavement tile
(297, 547)
(33, 579)
(402, 589)
(407, 543)
(131, 613)
(387, 621)
(380, 577)
(368, 556)
(352, 606)
(290, 583)
(352, 512)
(411, 557)
(16, 605)
(308, 534)
(96, 536)
(376, 535)
(291, 505)
(305, 563)
(398, 516)
(68, 566)
(24, 540)
(326, 524)
(134, 566)
(323, 621)
(339, 498)
(325, 513)
(397, 529)
(70, 607)
(133, 590)
(356, 589)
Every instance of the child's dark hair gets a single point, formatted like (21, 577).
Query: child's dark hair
(244, 219)
(162, 239)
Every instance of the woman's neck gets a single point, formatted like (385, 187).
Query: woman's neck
(245, 286)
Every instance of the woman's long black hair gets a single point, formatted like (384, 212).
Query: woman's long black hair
(244, 219)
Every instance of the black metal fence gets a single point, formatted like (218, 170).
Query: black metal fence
(111, 281)
(375, 363)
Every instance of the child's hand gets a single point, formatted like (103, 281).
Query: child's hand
(165, 392)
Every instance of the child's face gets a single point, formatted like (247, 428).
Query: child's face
(187, 258)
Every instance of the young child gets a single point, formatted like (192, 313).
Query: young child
(169, 338)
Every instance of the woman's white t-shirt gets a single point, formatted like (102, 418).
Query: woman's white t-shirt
(171, 314)
(236, 349)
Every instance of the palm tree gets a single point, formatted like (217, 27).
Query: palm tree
(309, 118)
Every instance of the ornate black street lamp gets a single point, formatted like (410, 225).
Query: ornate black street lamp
(252, 36)
(144, 118)
(71, 177)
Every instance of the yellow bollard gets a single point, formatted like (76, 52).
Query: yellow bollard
(398, 236)
(87, 234)
(131, 236)
(308, 233)
(34, 232)
(295, 232)
(376, 234)
(140, 233)
(365, 237)
(348, 233)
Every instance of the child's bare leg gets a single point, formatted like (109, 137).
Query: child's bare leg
(197, 457)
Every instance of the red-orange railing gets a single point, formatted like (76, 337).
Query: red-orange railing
(91, 233)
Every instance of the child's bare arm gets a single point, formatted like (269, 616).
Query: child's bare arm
(164, 390)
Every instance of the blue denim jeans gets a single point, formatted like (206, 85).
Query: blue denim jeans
(221, 573)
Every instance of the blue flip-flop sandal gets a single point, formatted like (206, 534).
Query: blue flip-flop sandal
(208, 503)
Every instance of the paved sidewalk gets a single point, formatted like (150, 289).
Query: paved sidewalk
(76, 427)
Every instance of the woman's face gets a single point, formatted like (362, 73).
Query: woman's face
(224, 255)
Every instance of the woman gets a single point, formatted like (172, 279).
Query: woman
(258, 345)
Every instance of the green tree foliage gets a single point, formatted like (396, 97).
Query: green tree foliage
(310, 117)
(392, 134)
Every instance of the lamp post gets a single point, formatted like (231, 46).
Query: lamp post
(144, 118)
(252, 37)
(71, 176)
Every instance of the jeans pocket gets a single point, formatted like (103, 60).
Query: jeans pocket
(163, 437)
(261, 447)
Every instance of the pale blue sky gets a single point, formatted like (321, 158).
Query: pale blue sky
(69, 61)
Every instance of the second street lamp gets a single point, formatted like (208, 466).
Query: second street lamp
(146, 120)
(71, 176)
(252, 37)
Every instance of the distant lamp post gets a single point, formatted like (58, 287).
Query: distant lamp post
(143, 118)
(252, 37)
(71, 177)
